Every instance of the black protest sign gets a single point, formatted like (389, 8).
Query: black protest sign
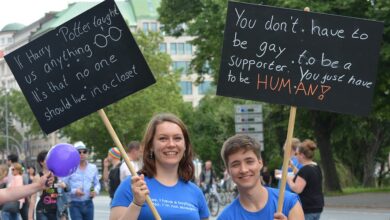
(298, 58)
(80, 67)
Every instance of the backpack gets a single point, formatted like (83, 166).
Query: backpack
(114, 180)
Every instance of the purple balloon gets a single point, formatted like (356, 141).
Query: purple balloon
(62, 159)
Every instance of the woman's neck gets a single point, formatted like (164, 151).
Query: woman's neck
(167, 175)
(307, 162)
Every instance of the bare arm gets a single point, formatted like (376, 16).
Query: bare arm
(298, 185)
(33, 200)
(296, 213)
(16, 193)
(106, 164)
(129, 213)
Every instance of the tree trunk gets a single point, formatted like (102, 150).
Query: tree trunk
(372, 147)
(323, 124)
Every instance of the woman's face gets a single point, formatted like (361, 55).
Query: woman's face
(31, 171)
(168, 144)
(15, 172)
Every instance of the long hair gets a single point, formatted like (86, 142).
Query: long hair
(186, 166)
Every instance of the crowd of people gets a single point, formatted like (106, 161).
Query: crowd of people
(166, 176)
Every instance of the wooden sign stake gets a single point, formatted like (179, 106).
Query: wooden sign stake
(133, 172)
(287, 151)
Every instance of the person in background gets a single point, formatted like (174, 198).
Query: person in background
(16, 193)
(294, 164)
(266, 178)
(241, 155)
(167, 171)
(3, 176)
(31, 173)
(308, 181)
(207, 177)
(11, 160)
(111, 176)
(46, 208)
(133, 152)
(17, 181)
(84, 186)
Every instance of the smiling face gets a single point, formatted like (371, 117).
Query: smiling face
(244, 168)
(168, 144)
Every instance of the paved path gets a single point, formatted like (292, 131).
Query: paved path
(362, 206)
(380, 200)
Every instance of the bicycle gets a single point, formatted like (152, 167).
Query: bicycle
(213, 200)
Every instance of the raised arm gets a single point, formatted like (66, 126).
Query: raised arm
(16, 193)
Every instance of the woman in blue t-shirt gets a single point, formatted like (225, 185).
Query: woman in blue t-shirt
(165, 177)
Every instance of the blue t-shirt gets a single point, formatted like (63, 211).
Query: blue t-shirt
(295, 162)
(182, 201)
(235, 211)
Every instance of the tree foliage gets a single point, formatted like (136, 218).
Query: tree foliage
(7, 100)
(130, 115)
(346, 137)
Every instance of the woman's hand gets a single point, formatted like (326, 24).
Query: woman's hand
(140, 189)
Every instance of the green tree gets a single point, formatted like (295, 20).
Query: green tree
(130, 115)
(205, 20)
(212, 124)
(7, 107)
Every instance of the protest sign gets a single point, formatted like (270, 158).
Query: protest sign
(81, 66)
(285, 56)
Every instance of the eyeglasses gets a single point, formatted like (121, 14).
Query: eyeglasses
(83, 152)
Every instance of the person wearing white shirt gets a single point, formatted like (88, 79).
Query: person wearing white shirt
(133, 152)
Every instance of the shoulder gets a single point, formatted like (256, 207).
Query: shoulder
(308, 170)
(188, 185)
(18, 178)
(123, 195)
(273, 192)
(289, 197)
(92, 165)
(229, 211)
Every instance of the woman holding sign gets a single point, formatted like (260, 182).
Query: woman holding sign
(308, 181)
(165, 176)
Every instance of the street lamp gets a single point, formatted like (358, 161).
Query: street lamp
(6, 121)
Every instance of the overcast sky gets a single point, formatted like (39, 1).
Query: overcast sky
(28, 11)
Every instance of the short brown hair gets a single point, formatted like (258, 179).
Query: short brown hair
(133, 145)
(239, 142)
(186, 167)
